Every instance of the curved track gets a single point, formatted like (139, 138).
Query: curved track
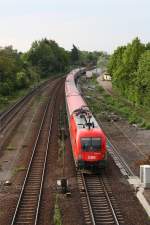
(27, 209)
(99, 204)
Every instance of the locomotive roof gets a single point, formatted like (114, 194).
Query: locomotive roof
(70, 86)
(82, 119)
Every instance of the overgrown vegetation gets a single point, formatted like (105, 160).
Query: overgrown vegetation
(104, 105)
(45, 58)
(19, 169)
(130, 69)
(103, 60)
(57, 213)
(61, 140)
(61, 149)
(10, 147)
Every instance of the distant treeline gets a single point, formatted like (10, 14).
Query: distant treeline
(44, 59)
(130, 69)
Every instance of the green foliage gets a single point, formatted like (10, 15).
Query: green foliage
(92, 57)
(19, 71)
(129, 67)
(147, 46)
(85, 58)
(102, 60)
(47, 57)
(57, 213)
(75, 55)
(116, 59)
(142, 80)
(147, 126)
(14, 72)
(3, 100)
(104, 105)
(22, 80)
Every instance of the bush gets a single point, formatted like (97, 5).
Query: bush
(57, 213)
(3, 100)
(6, 88)
(147, 126)
(22, 80)
(132, 118)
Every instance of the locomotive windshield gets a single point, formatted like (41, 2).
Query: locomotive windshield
(90, 144)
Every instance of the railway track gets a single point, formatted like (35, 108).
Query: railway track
(28, 205)
(114, 152)
(7, 116)
(99, 204)
(118, 159)
(90, 190)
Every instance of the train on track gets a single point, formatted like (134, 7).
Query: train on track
(87, 138)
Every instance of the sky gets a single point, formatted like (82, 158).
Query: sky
(100, 25)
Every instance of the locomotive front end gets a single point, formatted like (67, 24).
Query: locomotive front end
(91, 145)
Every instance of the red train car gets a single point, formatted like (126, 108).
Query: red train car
(87, 138)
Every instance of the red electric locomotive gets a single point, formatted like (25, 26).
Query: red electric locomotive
(87, 138)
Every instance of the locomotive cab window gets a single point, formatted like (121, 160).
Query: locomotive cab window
(90, 144)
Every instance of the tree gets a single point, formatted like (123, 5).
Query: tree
(142, 82)
(15, 73)
(75, 55)
(102, 60)
(47, 57)
(10, 64)
(147, 46)
(123, 65)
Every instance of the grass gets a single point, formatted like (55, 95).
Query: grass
(6, 101)
(57, 213)
(61, 140)
(1, 213)
(10, 148)
(19, 169)
(10, 100)
(40, 98)
(0, 167)
(61, 149)
(101, 102)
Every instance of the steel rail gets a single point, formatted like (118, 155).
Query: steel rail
(100, 204)
(8, 115)
(50, 103)
(114, 151)
(110, 203)
(44, 168)
(127, 171)
(43, 174)
(88, 199)
(124, 164)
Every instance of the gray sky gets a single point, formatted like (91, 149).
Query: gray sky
(89, 24)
